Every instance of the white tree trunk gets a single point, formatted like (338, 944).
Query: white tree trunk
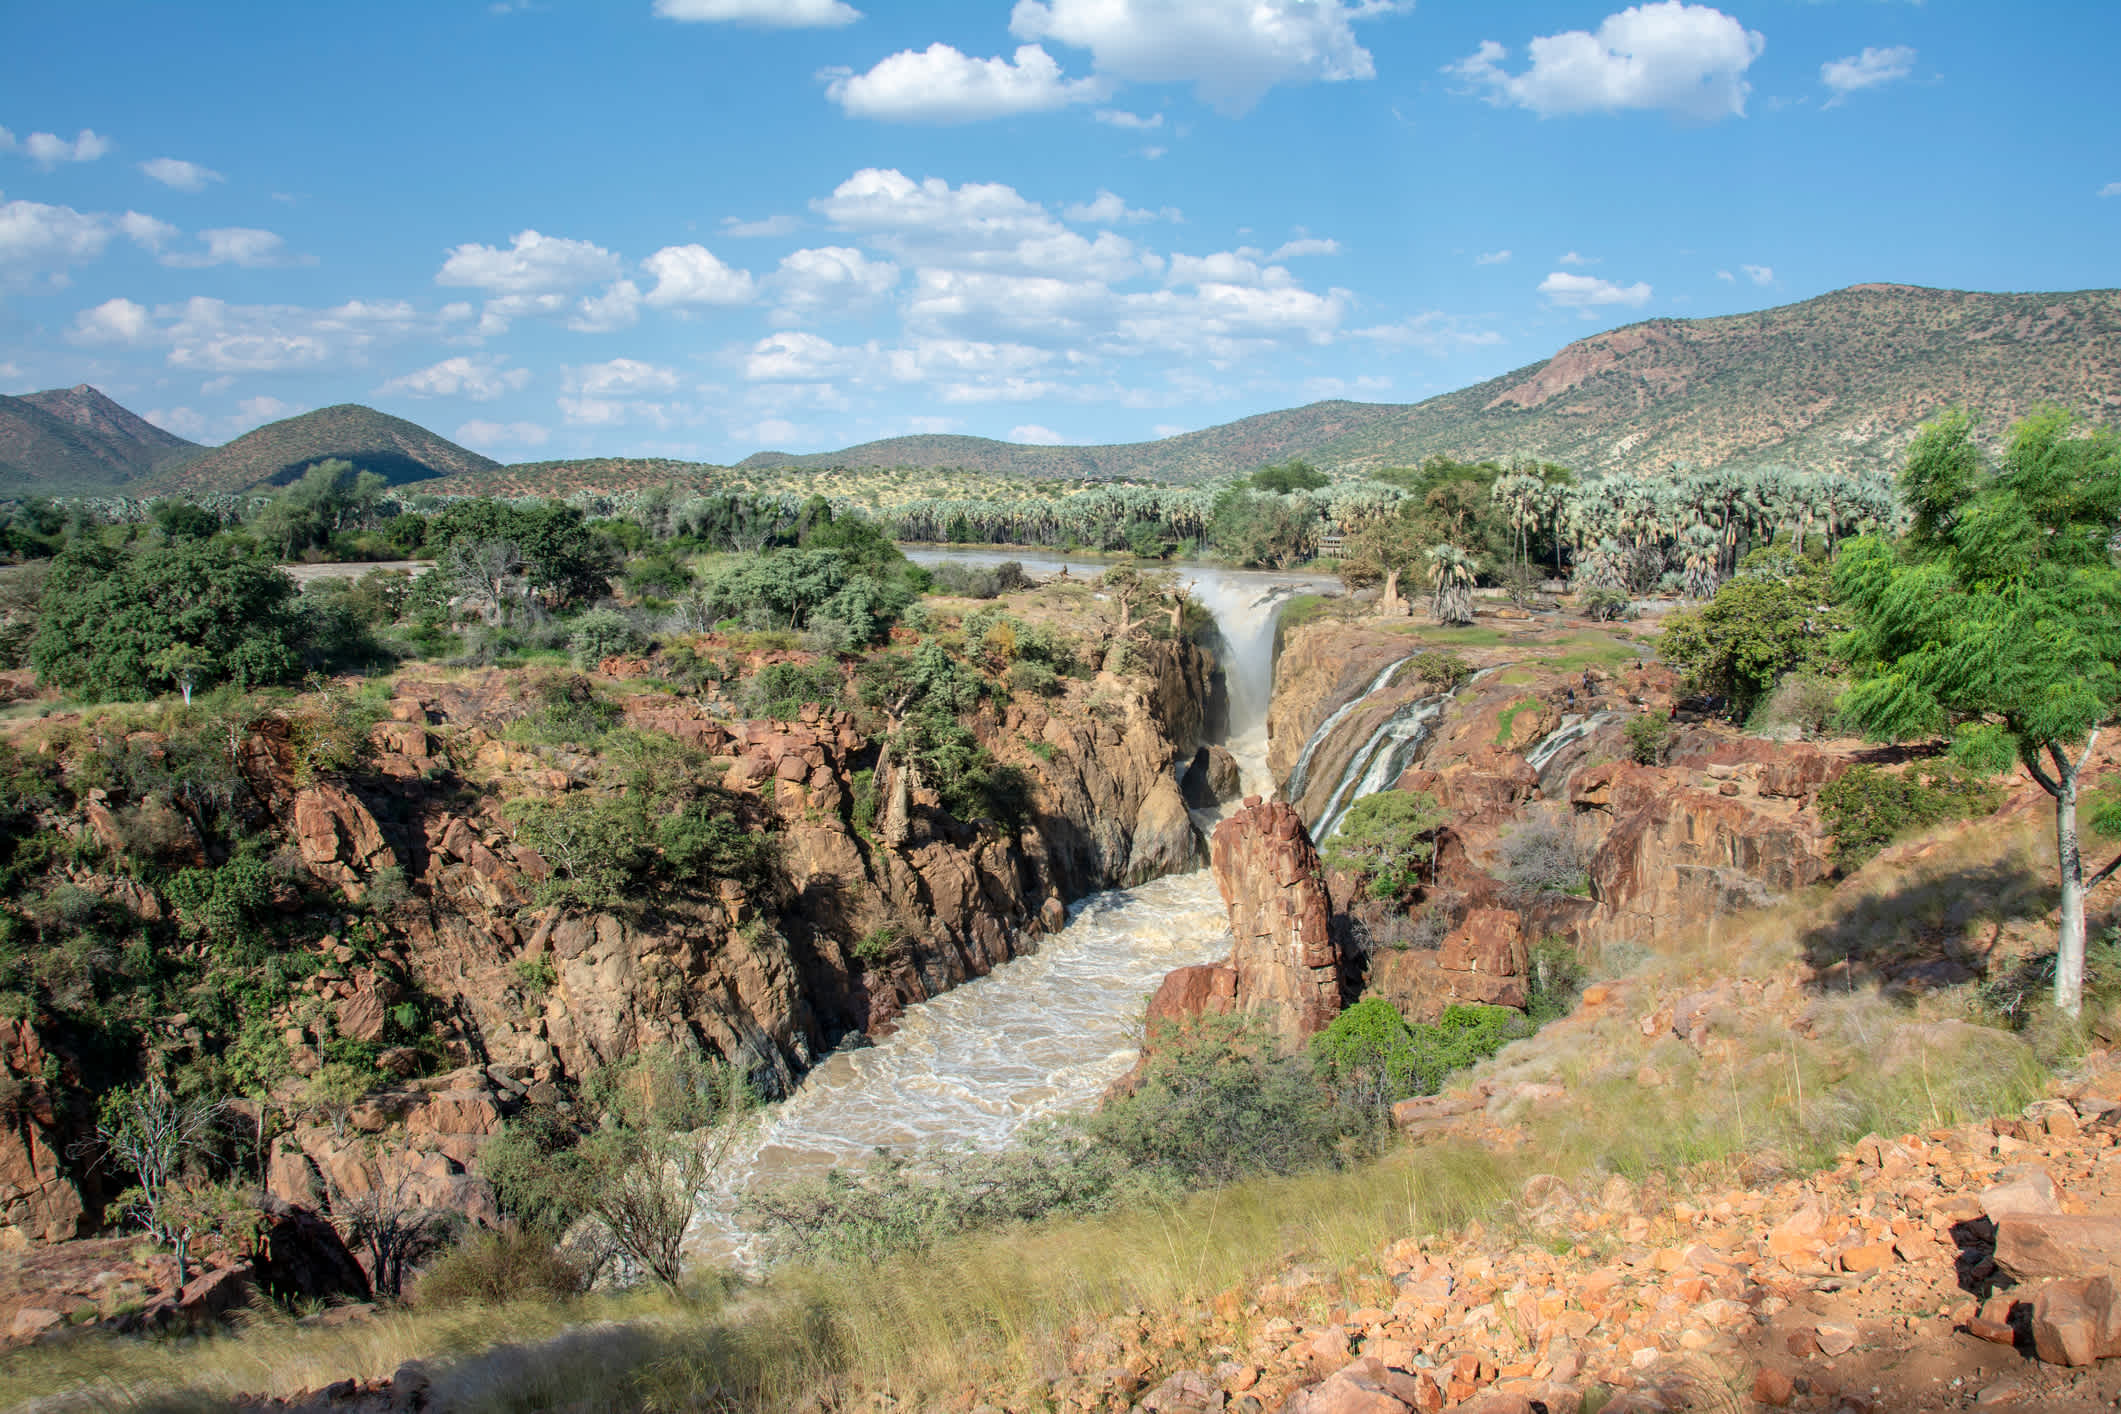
(2069, 936)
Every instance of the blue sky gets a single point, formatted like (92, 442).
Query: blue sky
(697, 228)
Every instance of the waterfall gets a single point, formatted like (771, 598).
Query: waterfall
(1573, 728)
(1388, 753)
(1298, 775)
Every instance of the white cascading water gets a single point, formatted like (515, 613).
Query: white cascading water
(1300, 773)
(1041, 1035)
(1383, 758)
(1573, 729)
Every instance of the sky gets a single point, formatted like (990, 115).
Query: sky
(702, 228)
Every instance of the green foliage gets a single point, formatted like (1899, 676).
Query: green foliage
(603, 633)
(537, 974)
(569, 712)
(1292, 475)
(564, 560)
(1376, 1058)
(707, 839)
(1387, 840)
(1262, 529)
(880, 949)
(1554, 976)
(224, 902)
(781, 690)
(598, 846)
(1647, 735)
(1447, 672)
(1866, 809)
(108, 616)
(1605, 604)
(1757, 628)
(494, 1268)
(951, 761)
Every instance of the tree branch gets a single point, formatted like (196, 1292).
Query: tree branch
(2032, 765)
(2104, 874)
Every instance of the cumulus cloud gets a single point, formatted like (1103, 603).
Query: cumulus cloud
(244, 246)
(213, 336)
(1432, 332)
(184, 176)
(619, 307)
(39, 243)
(1109, 210)
(829, 280)
(1586, 292)
(781, 225)
(1573, 258)
(940, 84)
(776, 14)
(694, 275)
(1759, 274)
(1304, 245)
(1492, 257)
(1866, 70)
(1031, 434)
(531, 264)
(1683, 59)
(48, 150)
(1231, 51)
(1121, 118)
(481, 378)
(479, 433)
(146, 232)
(979, 225)
(620, 378)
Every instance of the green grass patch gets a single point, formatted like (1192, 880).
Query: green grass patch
(1506, 726)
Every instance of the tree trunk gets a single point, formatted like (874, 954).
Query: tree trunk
(2069, 938)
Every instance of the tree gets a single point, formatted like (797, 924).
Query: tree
(1775, 617)
(1451, 585)
(1387, 840)
(485, 572)
(185, 664)
(1999, 623)
(391, 1226)
(107, 614)
(1295, 474)
(156, 1137)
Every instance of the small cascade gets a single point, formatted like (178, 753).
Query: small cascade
(1300, 773)
(1573, 728)
(1383, 758)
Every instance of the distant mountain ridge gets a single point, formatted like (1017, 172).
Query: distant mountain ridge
(66, 440)
(1836, 382)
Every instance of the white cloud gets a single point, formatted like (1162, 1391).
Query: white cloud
(1759, 274)
(693, 274)
(767, 432)
(1152, 153)
(478, 377)
(1432, 332)
(1726, 275)
(2111, 189)
(1304, 245)
(619, 307)
(532, 264)
(982, 225)
(48, 150)
(244, 246)
(1572, 258)
(1588, 291)
(781, 225)
(479, 433)
(1121, 118)
(260, 410)
(776, 14)
(38, 242)
(620, 378)
(1031, 434)
(1492, 257)
(1687, 60)
(1109, 210)
(1232, 51)
(795, 357)
(184, 176)
(1866, 70)
(939, 84)
(829, 279)
(146, 232)
(212, 336)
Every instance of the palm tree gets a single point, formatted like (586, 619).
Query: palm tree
(1702, 551)
(1451, 596)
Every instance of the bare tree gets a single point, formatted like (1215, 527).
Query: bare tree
(485, 572)
(390, 1228)
(157, 1138)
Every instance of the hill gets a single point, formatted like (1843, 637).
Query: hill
(278, 452)
(1840, 381)
(70, 441)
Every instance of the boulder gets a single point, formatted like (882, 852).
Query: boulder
(2037, 1246)
(2025, 1188)
(2077, 1322)
(1164, 842)
(1208, 989)
(1212, 779)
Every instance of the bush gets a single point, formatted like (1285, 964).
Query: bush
(1867, 809)
(1375, 1058)
(603, 633)
(706, 838)
(1553, 978)
(1759, 627)
(1803, 700)
(493, 1268)
(1543, 858)
(967, 581)
(1386, 839)
(1605, 605)
(1034, 678)
(780, 690)
(1445, 671)
(1647, 737)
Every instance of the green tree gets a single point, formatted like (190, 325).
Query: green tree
(107, 614)
(184, 664)
(1295, 474)
(1451, 585)
(1999, 623)
(1387, 839)
(1777, 616)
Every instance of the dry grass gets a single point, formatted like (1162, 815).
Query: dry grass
(993, 1312)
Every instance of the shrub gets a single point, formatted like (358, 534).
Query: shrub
(1605, 605)
(706, 838)
(967, 581)
(1553, 977)
(596, 844)
(1803, 700)
(880, 949)
(1445, 671)
(1376, 1058)
(780, 690)
(1386, 839)
(1647, 737)
(1543, 858)
(1759, 627)
(603, 633)
(1034, 678)
(492, 1268)
(1867, 809)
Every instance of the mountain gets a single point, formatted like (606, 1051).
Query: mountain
(76, 441)
(278, 452)
(1840, 381)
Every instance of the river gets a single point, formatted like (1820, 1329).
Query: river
(1048, 1032)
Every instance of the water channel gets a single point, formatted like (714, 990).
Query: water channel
(1049, 1032)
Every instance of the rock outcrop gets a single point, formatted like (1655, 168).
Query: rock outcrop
(1286, 969)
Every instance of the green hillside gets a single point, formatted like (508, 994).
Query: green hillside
(277, 453)
(76, 441)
